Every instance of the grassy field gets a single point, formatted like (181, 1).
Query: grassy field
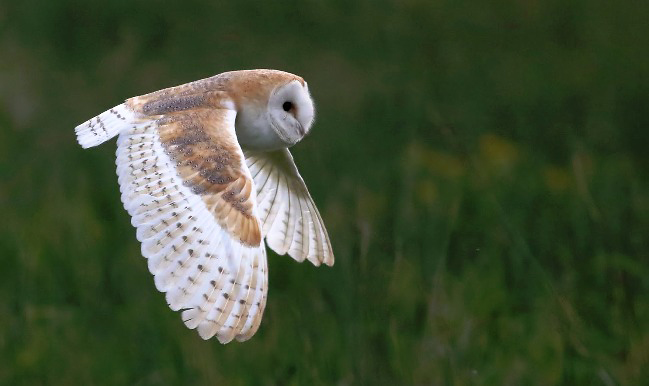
(482, 169)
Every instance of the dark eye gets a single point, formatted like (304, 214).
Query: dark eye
(287, 106)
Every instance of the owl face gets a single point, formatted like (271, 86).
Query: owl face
(280, 123)
(291, 111)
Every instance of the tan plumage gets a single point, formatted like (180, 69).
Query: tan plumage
(201, 207)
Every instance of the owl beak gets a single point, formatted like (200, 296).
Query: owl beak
(300, 130)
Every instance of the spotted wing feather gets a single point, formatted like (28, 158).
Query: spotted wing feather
(198, 225)
(104, 126)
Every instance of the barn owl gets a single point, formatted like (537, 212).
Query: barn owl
(205, 172)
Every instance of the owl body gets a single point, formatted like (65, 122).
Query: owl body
(205, 172)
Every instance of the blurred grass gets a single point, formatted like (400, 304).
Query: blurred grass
(482, 170)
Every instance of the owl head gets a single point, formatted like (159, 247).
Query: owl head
(274, 108)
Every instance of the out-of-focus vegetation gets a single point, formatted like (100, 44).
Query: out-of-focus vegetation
(482, 168)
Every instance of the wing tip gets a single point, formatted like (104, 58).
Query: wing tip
(104, 126)
(329, 262)
(317, 260)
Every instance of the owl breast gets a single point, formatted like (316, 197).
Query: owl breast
(255, 131)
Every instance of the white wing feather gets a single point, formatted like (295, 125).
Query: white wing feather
(219, 284)
(104, 126)
(291, 222)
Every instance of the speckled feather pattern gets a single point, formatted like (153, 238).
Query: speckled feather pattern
(219, 282)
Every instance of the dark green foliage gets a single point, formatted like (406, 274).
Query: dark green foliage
(481, 166)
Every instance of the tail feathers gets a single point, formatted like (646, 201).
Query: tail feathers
(104, 126)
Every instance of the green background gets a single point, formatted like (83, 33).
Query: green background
(482, 168)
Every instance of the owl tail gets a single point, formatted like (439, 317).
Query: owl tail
(104, 126)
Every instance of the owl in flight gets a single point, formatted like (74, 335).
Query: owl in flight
(205, 172)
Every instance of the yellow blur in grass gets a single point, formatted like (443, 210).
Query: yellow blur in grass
(498, 154)
(556, 179)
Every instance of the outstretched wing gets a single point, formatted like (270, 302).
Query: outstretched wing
(290, 220)
(185, 183)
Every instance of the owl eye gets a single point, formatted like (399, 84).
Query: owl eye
(287, 106)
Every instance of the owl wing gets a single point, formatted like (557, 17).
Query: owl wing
(184, 181)
(290, 220)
